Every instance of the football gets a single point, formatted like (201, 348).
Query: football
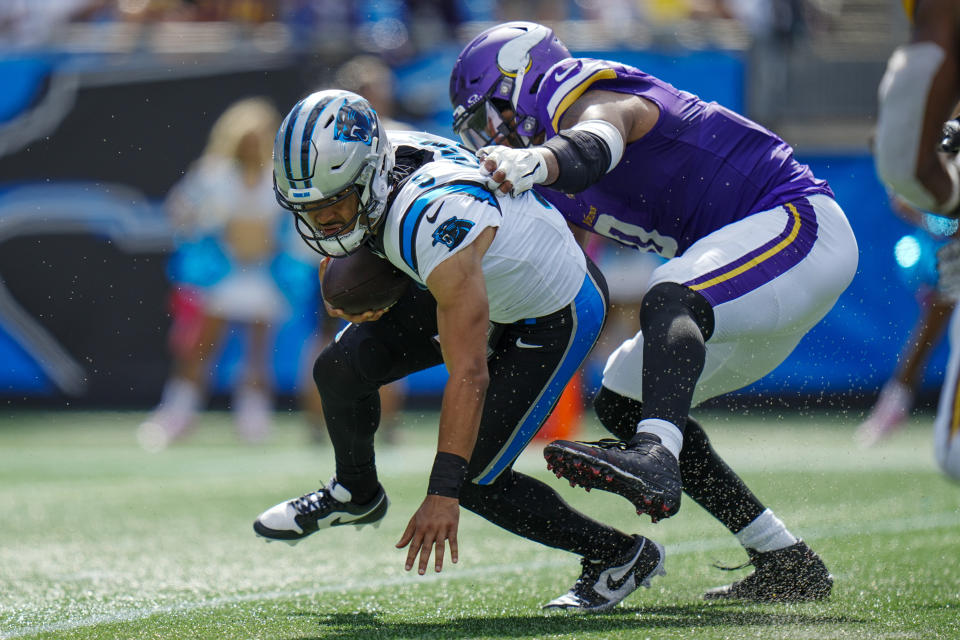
(362, 281)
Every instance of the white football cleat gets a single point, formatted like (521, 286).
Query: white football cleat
(329, 506)
(602, 585)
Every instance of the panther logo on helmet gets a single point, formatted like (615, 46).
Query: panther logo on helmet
(355, 123)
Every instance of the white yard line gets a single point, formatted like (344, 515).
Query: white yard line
(930, 521)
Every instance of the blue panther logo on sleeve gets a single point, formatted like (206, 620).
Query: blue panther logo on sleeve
(355, 123)
(451, 232)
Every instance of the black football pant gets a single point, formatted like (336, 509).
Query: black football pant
(531, 362)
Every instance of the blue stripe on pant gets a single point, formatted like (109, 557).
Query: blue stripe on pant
(587, 313)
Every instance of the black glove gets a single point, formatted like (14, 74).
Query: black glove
(950, 143)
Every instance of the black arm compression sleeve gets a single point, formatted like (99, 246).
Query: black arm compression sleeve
(582, 158)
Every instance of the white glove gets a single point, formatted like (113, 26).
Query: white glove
(948, 270)
(523, 168)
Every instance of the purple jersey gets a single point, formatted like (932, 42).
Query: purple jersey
(700, 168)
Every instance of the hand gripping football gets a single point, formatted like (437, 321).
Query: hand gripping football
(362, 281)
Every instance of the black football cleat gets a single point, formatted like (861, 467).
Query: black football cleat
(602, 584)
(791, 574)
(643, 471)
(329, 506)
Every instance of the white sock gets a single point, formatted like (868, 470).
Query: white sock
(339, 492)
(670, 436)
(766, 533)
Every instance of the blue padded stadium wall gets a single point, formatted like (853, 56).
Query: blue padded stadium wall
(53, 280)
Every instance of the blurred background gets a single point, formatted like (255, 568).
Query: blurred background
(109, 105)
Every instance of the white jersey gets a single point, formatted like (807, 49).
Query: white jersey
(534, 266)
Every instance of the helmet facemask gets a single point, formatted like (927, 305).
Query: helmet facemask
(483, 123)
(351, 235)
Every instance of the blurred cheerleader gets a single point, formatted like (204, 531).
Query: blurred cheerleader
(229, 229)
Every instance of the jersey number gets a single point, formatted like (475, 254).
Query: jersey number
(634, 236)
(453, 153)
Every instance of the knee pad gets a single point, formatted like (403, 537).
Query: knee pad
(364, 361)
(667, 300)
(329, 370)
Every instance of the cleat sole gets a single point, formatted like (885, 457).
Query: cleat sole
(647, 498)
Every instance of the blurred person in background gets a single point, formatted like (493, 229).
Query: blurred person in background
(33, 23)
(242, 11)
(540, 10)
(915, 155)
(369, 76)
(228, 222)
(915, 255)
(757, 252)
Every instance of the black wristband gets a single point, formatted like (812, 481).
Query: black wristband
(582, 159)
(447, 476)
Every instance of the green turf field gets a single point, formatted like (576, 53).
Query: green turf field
(101, 540)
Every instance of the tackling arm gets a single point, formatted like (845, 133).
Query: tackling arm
(595, 130)
(920, 91)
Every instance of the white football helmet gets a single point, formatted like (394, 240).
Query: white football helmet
(329, 146)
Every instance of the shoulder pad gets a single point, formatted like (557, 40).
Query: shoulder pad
(566, 81)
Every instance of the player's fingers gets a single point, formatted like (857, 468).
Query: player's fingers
(454, 550)
(356, 318)
(506, 187)
(415, 545)
(438, 555)
(426, 546)
(493, 186)
(407, 535)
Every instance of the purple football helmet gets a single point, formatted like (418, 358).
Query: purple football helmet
(501, 69)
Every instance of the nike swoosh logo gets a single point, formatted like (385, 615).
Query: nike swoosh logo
(340, 521)
(433, 218)
(526, 345)
(616, 580)
(561, 75)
